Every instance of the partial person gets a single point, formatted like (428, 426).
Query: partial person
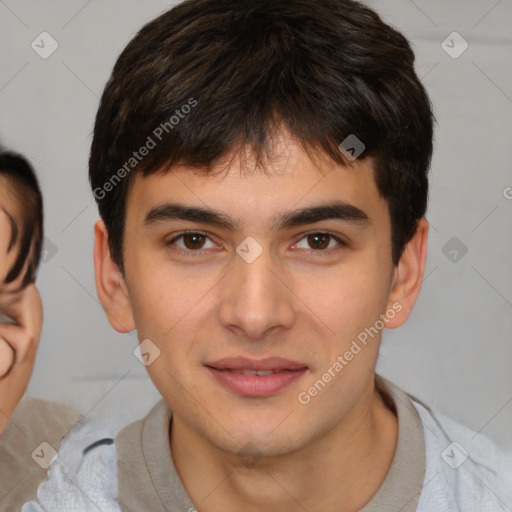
(31, 429)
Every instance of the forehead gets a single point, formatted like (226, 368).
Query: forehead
(290, 180)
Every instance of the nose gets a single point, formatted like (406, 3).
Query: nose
(256, 298)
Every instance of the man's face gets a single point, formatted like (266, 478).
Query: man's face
(214, 305)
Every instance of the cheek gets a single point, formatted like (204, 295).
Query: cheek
(153, 307)
(347, 298)
(167, 302)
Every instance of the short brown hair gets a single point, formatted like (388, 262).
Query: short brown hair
(326, 69)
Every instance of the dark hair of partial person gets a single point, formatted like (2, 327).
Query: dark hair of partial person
(27, 232)
(324, 69)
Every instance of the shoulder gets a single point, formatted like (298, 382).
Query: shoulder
(28, 446)
(84, 475)
(465, 470)
(38, 417)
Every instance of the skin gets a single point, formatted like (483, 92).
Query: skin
(18, 339)
(271, 453)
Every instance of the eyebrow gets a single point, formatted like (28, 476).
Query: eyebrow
(338, 210)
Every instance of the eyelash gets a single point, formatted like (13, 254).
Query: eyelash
(322, 252)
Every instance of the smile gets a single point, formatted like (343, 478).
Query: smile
(256, 378)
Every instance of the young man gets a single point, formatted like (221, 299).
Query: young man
(24, 425)
(261, 174)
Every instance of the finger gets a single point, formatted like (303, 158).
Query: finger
(21, 341)
(7, 357)
(27, 312)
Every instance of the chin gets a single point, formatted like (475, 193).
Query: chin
(256, 440)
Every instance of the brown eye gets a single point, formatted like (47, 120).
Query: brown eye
(320, 242)
(193, 241)
(190, 242)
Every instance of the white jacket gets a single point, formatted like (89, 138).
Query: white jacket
(465, 471)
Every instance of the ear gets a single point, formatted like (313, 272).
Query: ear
(408, 276)
(110, 284)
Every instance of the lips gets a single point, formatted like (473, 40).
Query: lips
(275, 364)
(256, 378)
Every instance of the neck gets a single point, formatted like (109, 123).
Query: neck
(340, 471)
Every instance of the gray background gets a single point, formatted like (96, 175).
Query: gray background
(454, 353)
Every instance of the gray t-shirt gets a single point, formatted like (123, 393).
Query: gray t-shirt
(148, 480)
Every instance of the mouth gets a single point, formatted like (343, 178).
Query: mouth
(256, 378)
(251, 372)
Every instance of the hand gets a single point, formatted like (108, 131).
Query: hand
(7, 356)
(18, 347)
